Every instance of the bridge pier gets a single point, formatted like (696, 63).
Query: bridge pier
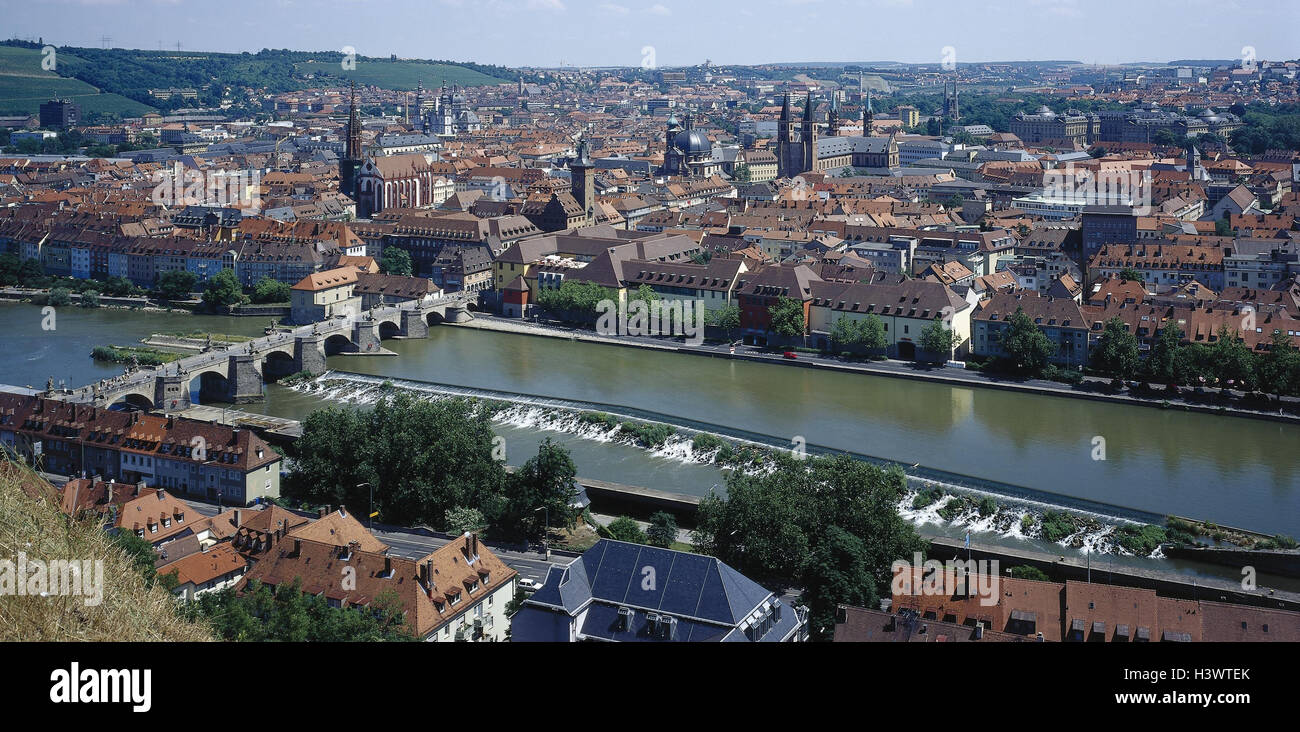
(457, 313)
(365, 336)
(413, 325)
(245, 381)
(309, 353)
(171, 392)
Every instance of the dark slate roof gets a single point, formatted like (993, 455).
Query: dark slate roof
(708, 600)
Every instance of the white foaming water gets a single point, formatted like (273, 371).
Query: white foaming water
(523, 412)
(534, 413)
(1006, 522)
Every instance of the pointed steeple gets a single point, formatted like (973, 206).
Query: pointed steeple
(785, 108)
(808, 109)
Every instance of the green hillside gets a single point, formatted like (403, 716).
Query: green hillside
(24, 86)
(400, 75)
(118, 80)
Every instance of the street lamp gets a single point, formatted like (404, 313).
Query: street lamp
(546, 532)
(370, 520)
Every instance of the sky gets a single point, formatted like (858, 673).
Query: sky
(551, 33)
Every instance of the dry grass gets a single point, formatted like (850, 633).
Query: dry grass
(130, 611)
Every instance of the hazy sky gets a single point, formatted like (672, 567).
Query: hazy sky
(682, 32)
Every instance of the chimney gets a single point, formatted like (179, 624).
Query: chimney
(159, 492)
(428, 574)
(388, 567)
(237, 517)
(320, 513)
(297, 547)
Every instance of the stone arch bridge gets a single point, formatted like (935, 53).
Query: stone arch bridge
(235, 373)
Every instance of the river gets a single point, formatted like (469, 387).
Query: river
(1234, 471)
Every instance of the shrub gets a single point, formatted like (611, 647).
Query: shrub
(988, 506)
(1057, 525)
(704, 442)
(1140, 540)
(926, 497)
(1027, 572)
(647, 435)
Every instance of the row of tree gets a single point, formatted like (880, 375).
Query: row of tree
(1227, 361)
(430, 463)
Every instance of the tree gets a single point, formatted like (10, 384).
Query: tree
(1128, 274)
(873, 333)
(1279, 369)
(1162, 364)
(845, 333)
(741, 174)
(1026, 345)
(1223, 227)
(662, 531)
(420, 457)
(939, 339)
(59, 297)
(269, 290)
(1117, 353)
(770, 526)
(625, 529)
(838, 571)
(539, 494)
(1027, 572)
(460, 520)
(397, 261)
(289, 614)
(787, 318)
(224, 290)
(176, 284)
(1233, 360)
(119, 287)
(727, 318)
(90, 299)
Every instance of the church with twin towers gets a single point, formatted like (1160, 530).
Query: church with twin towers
(801, 149)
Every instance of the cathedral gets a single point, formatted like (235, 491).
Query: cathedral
(799, 149)
(446, 115)
(687, 151)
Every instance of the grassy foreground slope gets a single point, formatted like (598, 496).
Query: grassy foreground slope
(30, 522)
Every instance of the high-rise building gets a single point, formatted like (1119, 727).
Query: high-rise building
(60, 114)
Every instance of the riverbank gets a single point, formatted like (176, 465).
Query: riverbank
(1093, 389)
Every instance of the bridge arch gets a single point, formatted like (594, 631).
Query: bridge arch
(212, 384)
(435, 317)
(338, 343)
(132, 401)
(278, 364)
(389, 329)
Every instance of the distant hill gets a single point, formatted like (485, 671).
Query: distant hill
(399, 75)
(124, 77)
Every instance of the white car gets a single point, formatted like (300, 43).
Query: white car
(528, 585)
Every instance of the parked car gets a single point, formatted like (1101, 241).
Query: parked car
(790, 355)
(528, 585)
